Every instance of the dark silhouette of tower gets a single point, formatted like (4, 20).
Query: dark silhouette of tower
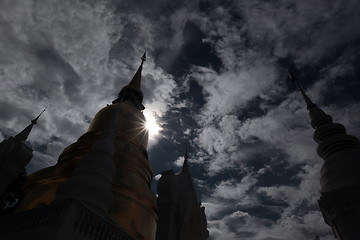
(340, 180)
(181, 215)
(14, 156)
(100, 186)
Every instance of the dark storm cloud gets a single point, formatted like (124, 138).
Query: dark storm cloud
(56, 67)
(7, 111)
(310, 31)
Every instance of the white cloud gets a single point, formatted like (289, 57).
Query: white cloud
(213, 209)
(308, 189)
(249, 40)
(231, 189)
(230, 90)
(300, 29)
(179, 161)
(59, 56)
(74, 56)
(241, 224)
(157, 177)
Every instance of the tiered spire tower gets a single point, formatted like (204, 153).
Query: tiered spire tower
(340, 181)
(15, 155)
(105, 176)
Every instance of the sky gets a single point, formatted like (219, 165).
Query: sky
(216, 82)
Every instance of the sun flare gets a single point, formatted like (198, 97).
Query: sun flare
(151, 125)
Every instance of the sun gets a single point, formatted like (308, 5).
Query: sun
(151, 125)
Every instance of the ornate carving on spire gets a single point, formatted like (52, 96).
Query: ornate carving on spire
(132, 91)
(24, 134)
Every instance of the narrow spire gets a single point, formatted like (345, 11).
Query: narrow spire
(135, 82)
(185, 167)
(132, 91)
(34, 121)
(24, 134)
(308, 101)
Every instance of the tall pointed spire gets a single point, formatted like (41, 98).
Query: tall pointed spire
(185, 167)
(132, 91)
(24, 134)
(308, 101)
(100, 165)
(135, 82)
(340, 182)
(317, 116)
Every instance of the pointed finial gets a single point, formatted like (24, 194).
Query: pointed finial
(308, 101)
(185, 167)
(24, 134)
(143, 58)
(34, 121)
(135, 82)
(133, 91)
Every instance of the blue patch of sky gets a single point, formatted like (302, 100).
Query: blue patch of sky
(194, 52)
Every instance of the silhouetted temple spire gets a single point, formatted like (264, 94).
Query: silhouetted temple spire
(317, 116)
(24, 134)
(308, 101)
(340, 182)
(132, 91)
(135, 82)
(185, 167)
(100, 184)
(181, 214)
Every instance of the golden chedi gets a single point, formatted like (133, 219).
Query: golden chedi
(133, 208)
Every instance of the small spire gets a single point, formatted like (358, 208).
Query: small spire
(308, 101)
(34, 121)
(24, 134)
(143, 58)
(135, 82)
(185, 167)
(132, 91)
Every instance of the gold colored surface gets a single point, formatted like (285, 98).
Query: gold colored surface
(134, 206)
(131, 123)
